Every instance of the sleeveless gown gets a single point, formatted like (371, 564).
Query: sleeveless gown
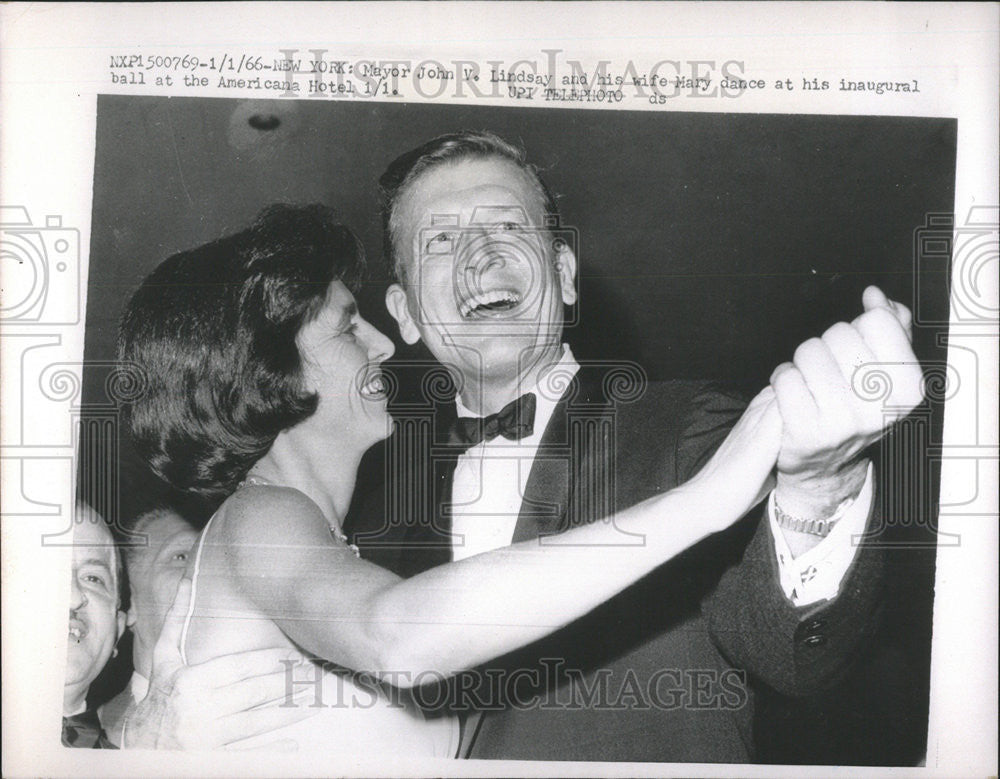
(356, 717)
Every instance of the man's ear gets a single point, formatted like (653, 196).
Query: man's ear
(131, 617)
(395, 301)
(122, 620)
(566, 269)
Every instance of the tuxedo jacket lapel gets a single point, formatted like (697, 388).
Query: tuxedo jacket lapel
(573, 458)
(546, 493)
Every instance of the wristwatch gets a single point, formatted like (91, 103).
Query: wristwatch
(814, 527)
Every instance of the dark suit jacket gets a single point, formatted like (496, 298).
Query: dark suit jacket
(664, 671)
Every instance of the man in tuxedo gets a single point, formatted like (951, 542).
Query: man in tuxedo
(534, 443)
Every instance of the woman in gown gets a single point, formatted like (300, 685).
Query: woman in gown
(262, 388)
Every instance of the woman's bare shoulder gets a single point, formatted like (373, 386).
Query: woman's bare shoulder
(268, 511)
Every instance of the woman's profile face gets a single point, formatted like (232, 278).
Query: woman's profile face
(341, 357)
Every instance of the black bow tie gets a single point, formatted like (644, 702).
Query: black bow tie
(84, 730)
(514, 421)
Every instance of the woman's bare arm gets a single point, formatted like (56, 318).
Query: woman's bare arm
(280, 550)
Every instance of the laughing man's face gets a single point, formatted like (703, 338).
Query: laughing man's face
(485, 286)
(95, 622)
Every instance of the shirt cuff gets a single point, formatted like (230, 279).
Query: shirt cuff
(817, 574)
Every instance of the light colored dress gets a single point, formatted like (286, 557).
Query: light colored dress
(355, 715)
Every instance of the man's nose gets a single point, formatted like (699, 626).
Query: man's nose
(491, 250)
(77, 597)
(486, 260)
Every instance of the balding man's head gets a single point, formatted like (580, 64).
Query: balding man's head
(95, 620)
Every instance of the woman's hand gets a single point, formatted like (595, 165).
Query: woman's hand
(741, 472)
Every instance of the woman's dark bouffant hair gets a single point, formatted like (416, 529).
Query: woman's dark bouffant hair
(212, 334)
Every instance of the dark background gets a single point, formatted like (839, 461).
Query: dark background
(709, 246)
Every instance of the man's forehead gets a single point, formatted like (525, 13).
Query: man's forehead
(166, 526)
(94, 545)
(470, 185)
(159, 531)
(98, 558)
(92, 532)
(488, 210)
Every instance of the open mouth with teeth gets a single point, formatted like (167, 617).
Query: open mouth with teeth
(374, 386)
(77, 630)
(495, 303)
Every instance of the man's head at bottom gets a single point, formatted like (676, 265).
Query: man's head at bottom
(96, 620)
(155, 560)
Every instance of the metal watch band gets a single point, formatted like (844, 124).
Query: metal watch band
(814, 527)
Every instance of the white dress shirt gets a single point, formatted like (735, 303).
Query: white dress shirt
(78, 710)
(816, 575)
(490, 478)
